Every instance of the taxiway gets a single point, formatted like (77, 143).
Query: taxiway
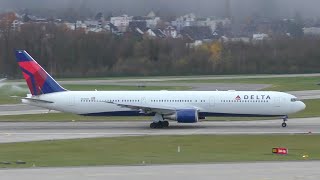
(37, 131)
(307, 170)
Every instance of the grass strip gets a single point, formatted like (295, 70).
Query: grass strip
(160, 150)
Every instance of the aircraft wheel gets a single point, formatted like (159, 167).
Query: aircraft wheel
(284, 125)
(160, 125)
(165, 124)
(153, 125)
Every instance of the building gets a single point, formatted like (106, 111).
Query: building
(121, 22)
(16, 25)
(260, 37)
(194, 33)
(311, 31)
(212, 23)
(153, 22)
(112, 28)
(158, 33)
(184, 21)
(77, 25)
(171, 32)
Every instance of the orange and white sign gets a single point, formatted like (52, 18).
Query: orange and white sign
(283, 151)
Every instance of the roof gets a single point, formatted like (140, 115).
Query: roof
(159, 33)
(142, 25)
(197, 33)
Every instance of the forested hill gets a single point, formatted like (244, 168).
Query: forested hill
(77, 54)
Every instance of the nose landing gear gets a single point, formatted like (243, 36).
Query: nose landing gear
(284, 124)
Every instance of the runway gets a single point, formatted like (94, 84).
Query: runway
(37, 131)
(20, 109)
(304, 95)
(308, 170)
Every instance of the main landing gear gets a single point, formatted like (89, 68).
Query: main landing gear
(159, 122)
(284, 124)
(159, 125)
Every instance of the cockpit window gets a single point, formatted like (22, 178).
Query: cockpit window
(294, 99)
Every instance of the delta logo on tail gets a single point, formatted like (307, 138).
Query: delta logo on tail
(38, 80)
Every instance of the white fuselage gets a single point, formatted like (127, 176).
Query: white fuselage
(208, 103)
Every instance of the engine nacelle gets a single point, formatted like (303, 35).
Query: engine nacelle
(184, 116)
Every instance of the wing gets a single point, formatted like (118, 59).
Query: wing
(147, 109)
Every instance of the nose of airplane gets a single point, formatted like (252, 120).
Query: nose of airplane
(303, 105)
(298, 106)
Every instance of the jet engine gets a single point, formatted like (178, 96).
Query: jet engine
(184, 116)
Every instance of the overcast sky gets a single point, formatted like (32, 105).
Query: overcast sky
(243, 8)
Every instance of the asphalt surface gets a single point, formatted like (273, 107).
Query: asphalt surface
(308, 170)
(36, 131)
(19, 109)
(311, 94)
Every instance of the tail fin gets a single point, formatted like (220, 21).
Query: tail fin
(38, 80)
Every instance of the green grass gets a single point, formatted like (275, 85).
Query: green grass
(312, 110)
(12, 94)
(160, 150)
(278, 84)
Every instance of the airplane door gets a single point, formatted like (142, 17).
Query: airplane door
(143, 100)
(71, 101)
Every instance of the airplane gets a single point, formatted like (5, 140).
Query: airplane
(180, 106)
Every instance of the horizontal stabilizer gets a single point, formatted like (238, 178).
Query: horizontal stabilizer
(37, 100)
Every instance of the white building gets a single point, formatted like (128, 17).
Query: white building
(121, 22)
(95, 29)
(152, 22)
(212, 23)
(170, 32)
(184, 21)
(312, 31)
(77, 25)
(260, 37)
